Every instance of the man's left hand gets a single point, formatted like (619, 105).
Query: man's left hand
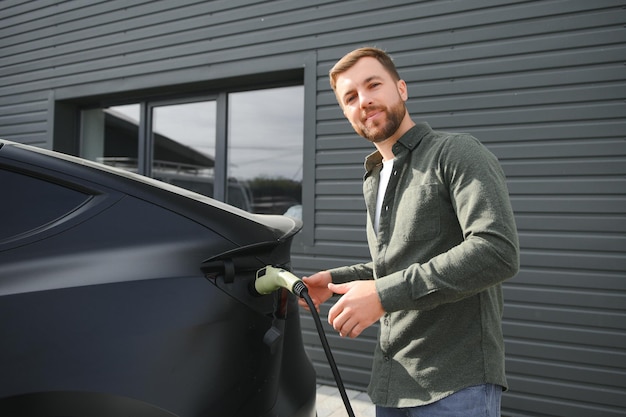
(357, 309)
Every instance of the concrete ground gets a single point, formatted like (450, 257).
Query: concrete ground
(330, 404)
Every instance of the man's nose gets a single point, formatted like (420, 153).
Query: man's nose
(365, 100)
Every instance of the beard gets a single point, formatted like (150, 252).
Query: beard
(378, 131)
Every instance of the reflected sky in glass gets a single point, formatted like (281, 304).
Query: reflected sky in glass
(265, 131)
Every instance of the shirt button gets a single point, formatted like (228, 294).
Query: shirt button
(386, 358)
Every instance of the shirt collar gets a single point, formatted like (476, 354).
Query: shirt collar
(408, 141)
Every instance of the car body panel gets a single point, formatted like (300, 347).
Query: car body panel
(134, 293)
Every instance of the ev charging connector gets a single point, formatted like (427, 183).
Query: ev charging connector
(270, 278)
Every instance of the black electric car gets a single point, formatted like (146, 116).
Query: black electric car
(125, 296)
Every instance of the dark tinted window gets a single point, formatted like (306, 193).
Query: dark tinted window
(28, 202)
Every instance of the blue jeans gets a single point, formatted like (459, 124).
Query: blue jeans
(476, 401)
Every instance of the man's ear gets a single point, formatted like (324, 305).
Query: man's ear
(403, 90)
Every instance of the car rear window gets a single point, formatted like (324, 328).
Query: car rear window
(29, 203)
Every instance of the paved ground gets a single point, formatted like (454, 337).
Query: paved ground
(330, 404)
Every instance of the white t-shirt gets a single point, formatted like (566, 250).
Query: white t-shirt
(385, 174)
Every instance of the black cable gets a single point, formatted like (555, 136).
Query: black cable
(303, 293)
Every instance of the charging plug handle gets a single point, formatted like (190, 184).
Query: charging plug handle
(269, 279)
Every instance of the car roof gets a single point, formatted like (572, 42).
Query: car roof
(219, 216)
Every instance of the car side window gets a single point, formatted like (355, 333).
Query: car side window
(29, 203)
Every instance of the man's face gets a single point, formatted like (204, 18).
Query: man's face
(372, 101)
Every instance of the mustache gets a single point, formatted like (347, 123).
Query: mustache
(368, 110)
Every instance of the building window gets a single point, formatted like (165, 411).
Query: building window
(183, 145)
(265, 138)
(249, 155)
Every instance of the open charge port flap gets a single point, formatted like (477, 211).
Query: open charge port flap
(236, 282)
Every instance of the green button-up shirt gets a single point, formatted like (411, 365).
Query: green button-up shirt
(446, 241)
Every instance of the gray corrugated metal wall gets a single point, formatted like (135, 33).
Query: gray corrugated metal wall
(541, 83)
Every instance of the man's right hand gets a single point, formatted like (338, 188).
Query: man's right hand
(317, 284)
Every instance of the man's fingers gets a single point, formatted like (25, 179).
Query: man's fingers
(340, 288)
(355, 331)
(349, 327)
(302, 303)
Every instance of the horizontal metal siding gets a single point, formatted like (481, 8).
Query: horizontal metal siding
(116, 46)
(542, 84)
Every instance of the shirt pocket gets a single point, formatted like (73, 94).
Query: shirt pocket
(418, 213)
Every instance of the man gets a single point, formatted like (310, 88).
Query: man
(442, 237)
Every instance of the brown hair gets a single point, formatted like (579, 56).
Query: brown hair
(351, 58)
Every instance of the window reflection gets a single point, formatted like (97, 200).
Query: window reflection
(265, 142)
(184, 145)
(111, 135)
(264, 146)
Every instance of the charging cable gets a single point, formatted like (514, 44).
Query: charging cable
(268, 280)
